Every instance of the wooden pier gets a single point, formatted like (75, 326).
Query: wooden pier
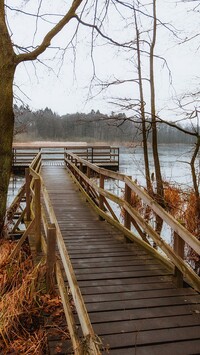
(129, 298)
(53, 153)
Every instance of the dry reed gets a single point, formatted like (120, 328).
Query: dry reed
(25, 308)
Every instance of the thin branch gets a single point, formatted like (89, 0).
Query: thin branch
(50, 35)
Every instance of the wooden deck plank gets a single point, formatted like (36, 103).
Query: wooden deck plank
(137, 295)
(129, 326)
(177, 348)
(144, 313)
(131, 299)
(148, 337)
(142, 303)
(113, 275)
(123, 263)
(91, 290)
(126, 281)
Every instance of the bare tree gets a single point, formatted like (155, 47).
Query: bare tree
(9, 61)
(159, 182)
(142, 109)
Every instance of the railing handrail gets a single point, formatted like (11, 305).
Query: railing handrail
(74, 160)
(187, 236)
(97, 196)
(86, 326)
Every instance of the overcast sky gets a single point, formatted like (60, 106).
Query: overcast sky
(64, 86)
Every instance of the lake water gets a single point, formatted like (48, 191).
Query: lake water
(174, 160)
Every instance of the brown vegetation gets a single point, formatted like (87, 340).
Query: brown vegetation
(25, 307)
(183, 206)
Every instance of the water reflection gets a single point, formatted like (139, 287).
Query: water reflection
(16, 181)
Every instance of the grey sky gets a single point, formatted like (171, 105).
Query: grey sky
(63, 91)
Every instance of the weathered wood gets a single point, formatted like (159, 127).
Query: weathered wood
(101, 199)
(177, 227)
(19, 220)
(181, 348)
(106, 268)
(186, 235)
(77, 297)
(28, 195)
(127, 217)
(88, 175)
(125, 231)
(77, 346)
(29, 230)
(126, 291)
(15, 203)
(179, 245)
(127, 197)
(51, 258)
(131, 212)
(37, 210)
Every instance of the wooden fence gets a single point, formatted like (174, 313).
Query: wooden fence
(146, 235)
(102, 155)
(42, 223)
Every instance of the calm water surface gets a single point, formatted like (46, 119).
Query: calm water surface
(174, 161)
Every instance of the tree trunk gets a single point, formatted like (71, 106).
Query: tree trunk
(159, 182)
(7, 70)
(142, 112)
(6, 127)
(195, 181)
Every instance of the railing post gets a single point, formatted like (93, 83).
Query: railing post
(118, 157)
(92, 155)
(51, 258)
(28, 195)
(75, 162)
(88, 175)
(13, 157)
(37, 188)
(179, 245)
(101, 198)
(127, 217)
(81, 169)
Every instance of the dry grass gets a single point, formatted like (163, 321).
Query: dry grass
(173, 200)
(24, 306)
(183, 206)
(191, 214)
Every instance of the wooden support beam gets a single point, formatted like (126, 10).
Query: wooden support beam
(28, 195)
(88, 175)
(76, 343)
(51, 258)
(101, 198)
(37, 188)
(179, 245)
(29, 230)
(127, 217)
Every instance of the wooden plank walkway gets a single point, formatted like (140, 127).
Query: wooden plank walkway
(133, 305)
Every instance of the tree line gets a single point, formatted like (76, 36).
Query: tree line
(93, 126)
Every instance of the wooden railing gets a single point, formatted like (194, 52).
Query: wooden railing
(101, 199)
(43, 226)
(41, 223)
(24, 157)
(97, 154)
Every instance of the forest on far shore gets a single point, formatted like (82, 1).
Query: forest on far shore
(94, 126)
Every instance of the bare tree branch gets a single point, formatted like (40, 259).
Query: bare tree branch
(50, 35)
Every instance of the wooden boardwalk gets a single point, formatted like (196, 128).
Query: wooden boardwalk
(132, 302)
